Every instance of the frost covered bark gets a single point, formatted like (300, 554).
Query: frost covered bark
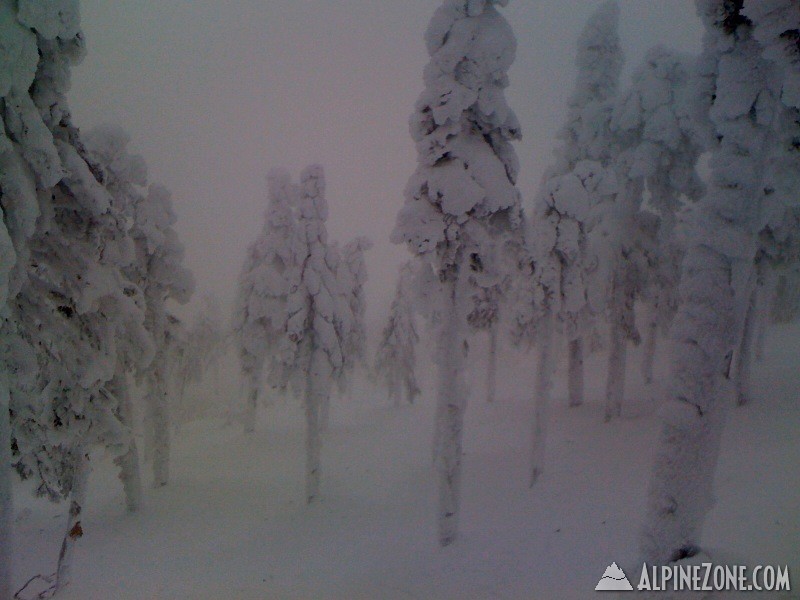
(575, 372)
(74, 530)
(462, 200)
(128, 461)
(450, 406)
(491, 367)
(541, 408)
(750, 58)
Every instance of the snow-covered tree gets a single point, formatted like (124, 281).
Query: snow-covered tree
(395, 361)
(353, 276)
(157, 271)
(268, 274)
(461, 198)
(73, 313)
(316, 321)
(751, 57)
(199, 357)
(574, 217)
(162, 277)
(775, 270)
(18, 197)
(124, 176)
(487, 297)
(661, 134)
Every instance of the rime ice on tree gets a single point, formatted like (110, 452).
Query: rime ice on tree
(270, 270)
(660, 133)
(461, 198)
(754, 109)
(74, 313)
(573, 220)
(395, 361)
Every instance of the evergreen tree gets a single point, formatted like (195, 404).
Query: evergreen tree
(753, 109)
(317, 319)
(395, 362)
(267, 276)
(73, 313)
(461, 198)
(574, 218)
(18, 197)
(353, 277)
(661, 133)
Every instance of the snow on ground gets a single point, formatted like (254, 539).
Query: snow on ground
(232, 524)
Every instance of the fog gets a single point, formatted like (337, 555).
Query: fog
(216, 94)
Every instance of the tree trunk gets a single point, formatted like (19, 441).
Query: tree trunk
(615, 384)
(395, 391)
(411, 388)
(744, 358)
(74, 527)
(159, 413)
(575, 371)
(650, 340)
(761, 326)
(251, 405)
(451, 403)
(317, 390)
(681, 492)
(128, 462)
(491, 375)
(541, 401)
(325, 414)
(764, 294)
(6, 499)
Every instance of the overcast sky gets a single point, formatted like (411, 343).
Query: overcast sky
(214, 94)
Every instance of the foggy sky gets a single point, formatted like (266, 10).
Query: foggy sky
(214, 94)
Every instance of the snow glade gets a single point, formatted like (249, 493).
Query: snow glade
(300, 307)
(623, 226)
(461, 200)
(76, 317)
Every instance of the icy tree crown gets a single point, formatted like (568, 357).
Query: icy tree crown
(462, 127)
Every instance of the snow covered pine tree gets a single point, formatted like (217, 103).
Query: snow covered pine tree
(572, 218)
(269, 271)
(18, 62)
(751, 57)
(660, 133)
(73, 313)
(395, 361)
(353, 277)
(461, 198)
(154, 275)
(318, 319)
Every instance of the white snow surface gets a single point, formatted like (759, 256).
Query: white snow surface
(233, 522)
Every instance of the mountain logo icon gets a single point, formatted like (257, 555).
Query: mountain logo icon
(613, 580)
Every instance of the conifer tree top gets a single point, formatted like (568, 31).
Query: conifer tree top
(462, 127)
